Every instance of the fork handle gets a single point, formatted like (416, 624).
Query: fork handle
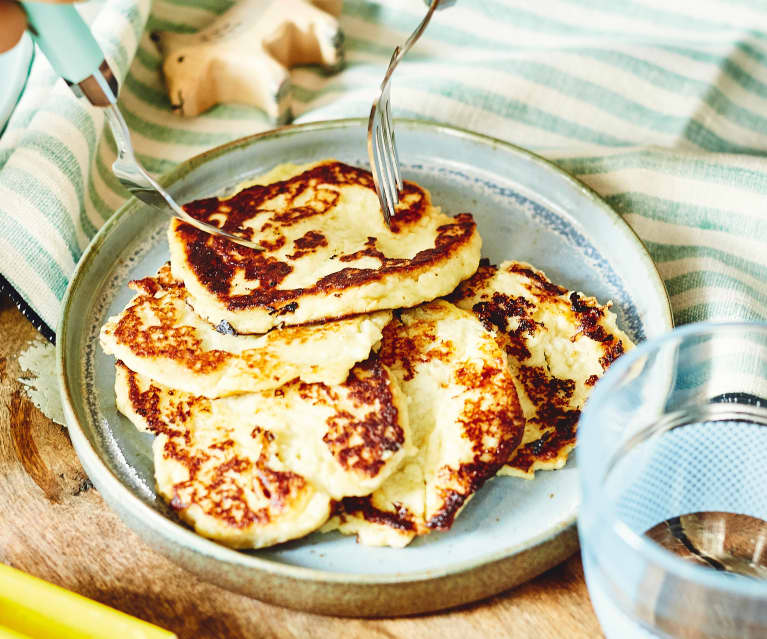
(441, 4)
(73, 52)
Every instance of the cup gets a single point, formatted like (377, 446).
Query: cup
(672, 454)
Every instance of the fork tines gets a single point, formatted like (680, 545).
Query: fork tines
(382, 147)
(385, 168)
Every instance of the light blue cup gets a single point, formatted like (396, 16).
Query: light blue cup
(677, 426)
(67, 42)
(14, 70)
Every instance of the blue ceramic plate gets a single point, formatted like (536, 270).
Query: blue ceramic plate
(14, 70)
(513, 529)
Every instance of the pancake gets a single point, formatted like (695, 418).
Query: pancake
(256, 469)
(229, 483)
(158, 335)
(558, 342)
(464, 417)
(328, 253)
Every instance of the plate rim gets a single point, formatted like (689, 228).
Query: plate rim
(190, 540)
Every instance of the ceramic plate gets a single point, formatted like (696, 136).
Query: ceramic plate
(513, 529)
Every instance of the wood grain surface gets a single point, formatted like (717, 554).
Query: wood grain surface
(54, 524)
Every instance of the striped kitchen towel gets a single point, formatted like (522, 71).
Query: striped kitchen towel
(660, 107)
(56, 189)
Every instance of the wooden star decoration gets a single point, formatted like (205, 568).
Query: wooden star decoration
(244, 56)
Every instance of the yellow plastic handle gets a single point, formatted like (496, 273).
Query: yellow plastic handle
(35, 608)
(7, 633)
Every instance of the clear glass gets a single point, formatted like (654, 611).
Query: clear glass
(677, 426)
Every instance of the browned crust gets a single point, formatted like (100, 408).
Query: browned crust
(165, 339)
(221, 494)
(589, 316)
(406, 349)
(510, 319)
(540, 284)
(495, 416)
(307, 243)
(214, 260)
(401, 519)
(378, 434)
(363, 443)
(557, 421)
(146, 404)
(495, 314)
(500, 420)
(152, 284)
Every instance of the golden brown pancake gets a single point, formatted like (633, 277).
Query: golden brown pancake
(255, 469)
(465, 421)
(226, 480)
(159, 335)
(328, 253)
(558, 342)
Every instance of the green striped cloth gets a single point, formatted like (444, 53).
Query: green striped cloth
(659, 106)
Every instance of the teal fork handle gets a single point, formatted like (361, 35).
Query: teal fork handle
(65, 39)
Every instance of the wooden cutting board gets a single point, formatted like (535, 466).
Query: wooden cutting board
(54, 525)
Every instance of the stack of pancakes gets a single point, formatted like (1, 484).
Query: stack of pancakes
(350, 376)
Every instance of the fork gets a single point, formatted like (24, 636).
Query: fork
(133, 177)
(382, 147)
(73, 52)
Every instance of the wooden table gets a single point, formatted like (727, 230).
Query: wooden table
(54, 524)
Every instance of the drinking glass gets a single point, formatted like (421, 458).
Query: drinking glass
(672, 452)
